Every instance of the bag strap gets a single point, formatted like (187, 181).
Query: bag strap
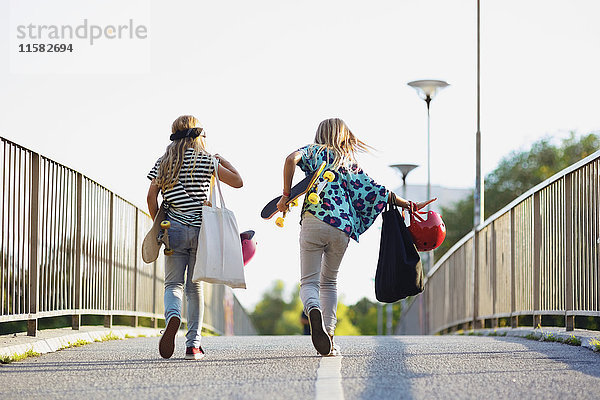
(212, 195)
(391, 203)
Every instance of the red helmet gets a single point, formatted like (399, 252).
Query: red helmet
(248, 245)
(428, 234)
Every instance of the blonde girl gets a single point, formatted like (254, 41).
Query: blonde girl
(348, 207)
(182, 175)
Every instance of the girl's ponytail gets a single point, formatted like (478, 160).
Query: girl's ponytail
(334, 135)
(172, 160)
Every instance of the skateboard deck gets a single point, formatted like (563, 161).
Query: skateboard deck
(304, 186)
(156, 237)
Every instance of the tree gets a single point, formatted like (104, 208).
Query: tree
(514, 175)
(274, 316)
(268, 311)
(363, 314)
(344, 326)
(289, 321)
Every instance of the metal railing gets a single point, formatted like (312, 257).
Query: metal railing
(538, 256)
(69, 246)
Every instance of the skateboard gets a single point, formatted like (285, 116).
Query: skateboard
(156, 237)
(314, 181)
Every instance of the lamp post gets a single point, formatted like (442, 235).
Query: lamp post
(479, 185)
(427, 89)
(404, 170)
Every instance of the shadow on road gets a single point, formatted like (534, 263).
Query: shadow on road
(139, 363)
(577, 358)
(376, 368)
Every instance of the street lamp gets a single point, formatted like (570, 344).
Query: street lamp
(404, 170)
(479, 185)
(427, 89)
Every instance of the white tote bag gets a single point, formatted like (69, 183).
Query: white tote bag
(219, 256)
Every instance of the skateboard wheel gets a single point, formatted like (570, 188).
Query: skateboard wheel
(313, 198)
(165, 224)
(279, 222)
(168, 252)
(294, 203)
(328, 176)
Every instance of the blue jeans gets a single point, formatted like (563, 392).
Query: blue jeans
(184, 242)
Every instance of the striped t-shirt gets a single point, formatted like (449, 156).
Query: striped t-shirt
(184, 201)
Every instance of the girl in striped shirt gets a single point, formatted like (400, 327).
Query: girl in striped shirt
(182, 175)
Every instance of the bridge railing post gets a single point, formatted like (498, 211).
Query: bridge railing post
(135, 319)
(569, 319)
(493, 272)
(110, 291)
(514, 319)
(76, 317)
(476, 321)
(33, 245)
(537, 246)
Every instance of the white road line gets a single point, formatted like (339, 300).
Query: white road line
(329, 379)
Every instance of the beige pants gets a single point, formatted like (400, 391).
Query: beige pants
(321, 250)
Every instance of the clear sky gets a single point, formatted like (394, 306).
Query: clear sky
(261, 75)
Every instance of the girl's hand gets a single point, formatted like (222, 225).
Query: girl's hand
(221, 159)
(281, 206)
(421, 204)
(228, 173)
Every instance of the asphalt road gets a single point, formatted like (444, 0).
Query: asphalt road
(266, 367)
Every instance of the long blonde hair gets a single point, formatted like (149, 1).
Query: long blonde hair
(172, 160)
(334, 135)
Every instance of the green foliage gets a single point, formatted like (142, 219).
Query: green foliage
(363, 315)
(109, 336)
(289, 322)
(573, 340)
(274, 316)
(514, 175)
(344, 326)
(269, 309)
(459, 221)
(18, 357)
(78, 343)
(532, 336)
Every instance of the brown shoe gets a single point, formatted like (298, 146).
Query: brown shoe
(166, 345)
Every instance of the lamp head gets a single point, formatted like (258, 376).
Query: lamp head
(404, 168)
(428, 88)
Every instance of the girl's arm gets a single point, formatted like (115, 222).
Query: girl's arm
(288, 175)
(228, 174)
(400, 202)
(152, 199)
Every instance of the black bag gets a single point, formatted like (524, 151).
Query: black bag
(399, 270)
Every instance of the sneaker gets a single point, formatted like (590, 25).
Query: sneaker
(166, 345)
(320, 338)
(335, 349)
(194, 353)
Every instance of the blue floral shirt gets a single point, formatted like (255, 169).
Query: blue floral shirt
(351, 202)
